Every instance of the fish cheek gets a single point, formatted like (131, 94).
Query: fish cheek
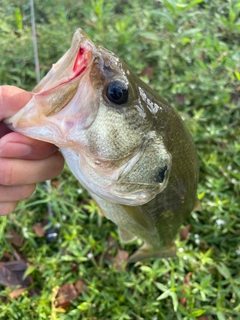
(54, 100)
(148, 173)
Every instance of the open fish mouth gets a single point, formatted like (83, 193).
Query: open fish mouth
(76, 72)
(54, 93)
(71, 65)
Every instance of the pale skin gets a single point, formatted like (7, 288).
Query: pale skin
(23, 161)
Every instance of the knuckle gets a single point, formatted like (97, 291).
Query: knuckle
(6, 172)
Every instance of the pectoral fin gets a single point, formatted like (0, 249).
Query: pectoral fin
(146, 252)
(125, 235)
(197, 206)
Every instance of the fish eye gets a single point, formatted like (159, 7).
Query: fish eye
(117, 92)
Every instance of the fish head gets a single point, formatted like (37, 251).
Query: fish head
(95, 110)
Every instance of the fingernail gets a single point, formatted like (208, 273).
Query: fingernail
(15, 150)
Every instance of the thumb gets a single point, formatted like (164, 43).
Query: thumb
(11, 100)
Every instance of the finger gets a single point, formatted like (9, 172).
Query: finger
(11, 100)
(16, 193)
(7, 207)
(15, 145)
(19, 171)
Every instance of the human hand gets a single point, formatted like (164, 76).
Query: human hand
(23, 161)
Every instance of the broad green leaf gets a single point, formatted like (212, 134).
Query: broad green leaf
(161, 287)
(150, 36)
(198, 313)
(220, 315)
(174, 300)
(223, 270)
(164, 295)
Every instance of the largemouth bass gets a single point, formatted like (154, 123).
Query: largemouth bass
(126, 145)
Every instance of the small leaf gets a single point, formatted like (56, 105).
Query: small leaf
(184, 232)
(220, 315)
(199, 313)
(38, 228)
(174, 300)
(60, 310)
(164, 295)
(29, 270)
(223, 270)
(65, 294)
(161, 287)
(84, 306)
(146, 269)
(237, 74)
(147, 71)
(12, 274)
(80, 286)
(171, 5)
(120, 260)
(14, 238)
(150, 36)
(16, 293)
(191, 4)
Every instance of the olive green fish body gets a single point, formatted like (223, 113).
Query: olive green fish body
(158, 221)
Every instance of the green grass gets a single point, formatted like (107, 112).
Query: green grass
(193, 50)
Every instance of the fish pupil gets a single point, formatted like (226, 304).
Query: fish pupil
(117, 92)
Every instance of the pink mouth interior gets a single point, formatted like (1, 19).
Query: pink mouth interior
(80, 65)
(77, 68)
(82, 60)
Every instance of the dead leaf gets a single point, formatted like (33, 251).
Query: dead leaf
(205, 317)
(80, 286)
(6, 257)
(184, 232)
(120, 260)
(74, 267)
(38, 228)
(11, 274)
(66, 293)
(16, 293)
(147, 71)
(234, 97)
(180, 98)
(183, 300)
(111, 244)
(202, 56)
(91, 23)
(15, 238)
(55, 183)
